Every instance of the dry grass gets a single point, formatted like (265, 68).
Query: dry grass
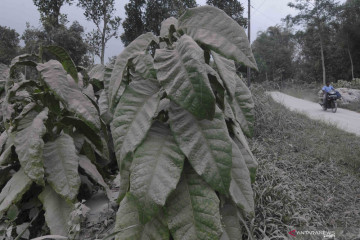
(308, 175)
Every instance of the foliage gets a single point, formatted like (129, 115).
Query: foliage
(325, 42)
(69, 38)
(146, 16)
(179, 121)
(274, 51)
(53, 129)
(50, 10)
(9, 44)
(101, 13)
(233, 8)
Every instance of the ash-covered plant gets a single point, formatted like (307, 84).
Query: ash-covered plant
(53, 137)
(180, 114)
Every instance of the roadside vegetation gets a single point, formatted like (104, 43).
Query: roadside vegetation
(308, 175)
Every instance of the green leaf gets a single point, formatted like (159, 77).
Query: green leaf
(240, 186)
(65, 60)
(29, 144)
(133, 117)
(69, 93)
(12, 213)
(193, 209)
(182, 72)
(212, 27)
(130, 227)
(91, 170)
(227, 71)
(155, 170)
(140, 44)
(57, 211)
(61, 166)
(230, 222)
(166, 25)
(243, 106)
(206, 144)
(14, 189)
(240, 140)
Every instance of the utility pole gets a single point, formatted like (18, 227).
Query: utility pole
(248, 69)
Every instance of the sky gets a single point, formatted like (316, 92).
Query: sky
(15, 14)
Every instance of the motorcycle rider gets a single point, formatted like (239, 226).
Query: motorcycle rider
(326, 89)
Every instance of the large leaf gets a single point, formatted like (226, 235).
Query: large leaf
(130, 228)
(104, 110)
(193, 209)
(13, 190)
(144, 67)
(206, 144)
(230, 222)
(29, 144)
(133, 117)
(140, 44)
(61, 166)
(69, 93)
(3, 139)
(156, 170)
(91, 170)
(212, 27)
(57, 211)
(182, 72)
(65, 60)
(227, 71)
(240, 186)
(84, 129)
(240, 140)
(97, 72)
(243, 106)
(166, 25)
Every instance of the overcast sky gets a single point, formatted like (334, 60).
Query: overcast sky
(15, 14)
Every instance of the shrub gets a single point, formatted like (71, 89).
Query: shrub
(52, 129)
(179, 126)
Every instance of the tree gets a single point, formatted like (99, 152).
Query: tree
(101, 13)
(146, 16)
(133, 24)
(178, 127)
(316, 16)
(349, 35)
(69, 38)
(233, 8)
(274, 51)
(50, 10)
(9, 44)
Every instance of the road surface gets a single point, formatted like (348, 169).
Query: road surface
(345, 119)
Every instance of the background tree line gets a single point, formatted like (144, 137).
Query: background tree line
(141, 16)
(321, 43)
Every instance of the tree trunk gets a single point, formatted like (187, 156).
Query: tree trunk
(103, 43)
(351, 60)
(322, 60)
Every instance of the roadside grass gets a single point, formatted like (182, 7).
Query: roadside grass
(308, 176)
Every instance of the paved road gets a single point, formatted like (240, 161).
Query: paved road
(344, 119)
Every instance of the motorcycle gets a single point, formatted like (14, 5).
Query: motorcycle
(330, 102)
